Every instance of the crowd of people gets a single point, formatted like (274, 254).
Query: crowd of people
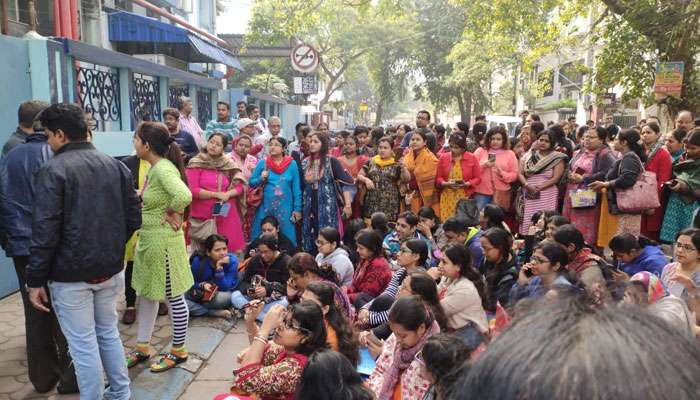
(457, 263)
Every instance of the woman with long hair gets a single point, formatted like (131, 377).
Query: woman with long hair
(541, 170)
(499, 169)
(442, 356)
(329, 375)
(244, 162)
(340, 336)
(161, 267)
(373, 273)
(458, 173)
(421, 164)
(279, 176)
(590, 163)
(332, 252)
(498, 267)
(216, 182)
(683, 201)
(623, 175)
(324, 177)
(353, 162)
(382, 176)
(213, 264)
(659, 162)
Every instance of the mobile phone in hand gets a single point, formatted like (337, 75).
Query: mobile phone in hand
(492, 157)
(580, 171)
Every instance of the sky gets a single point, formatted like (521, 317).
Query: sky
(236, 17)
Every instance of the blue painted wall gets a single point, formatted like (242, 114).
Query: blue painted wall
(17, 88)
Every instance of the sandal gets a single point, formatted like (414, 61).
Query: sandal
(167, 361)
(135, 357)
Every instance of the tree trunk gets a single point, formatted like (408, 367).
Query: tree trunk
(468, 101)
(380, 111)
(462, 110)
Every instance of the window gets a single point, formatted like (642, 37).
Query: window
(17, 10)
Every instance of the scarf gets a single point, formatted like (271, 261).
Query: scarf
(688, 171)
(655, 288)
(314, 172)
(401, 361)
(535, 164)
(652, 152)
(424, 168)
(381, 163)
(205, 161)
(280, 167)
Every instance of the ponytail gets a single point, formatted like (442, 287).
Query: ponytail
(174, 155)
(632, 138)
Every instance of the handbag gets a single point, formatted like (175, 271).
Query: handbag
(502, 198)
(583, 198)
(200, 294)
(201, 229)
(254, 197)
(642, 196)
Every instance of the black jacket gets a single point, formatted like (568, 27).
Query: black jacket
(85, 210)
(623, 175)
(277, 272)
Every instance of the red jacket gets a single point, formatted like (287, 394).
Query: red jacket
(471, 171)
(370, 277)
(661, 165)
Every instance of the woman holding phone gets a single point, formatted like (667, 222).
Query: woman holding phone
(499, 168)
(458, 173)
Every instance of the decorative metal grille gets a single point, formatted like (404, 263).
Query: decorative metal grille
(203, 107)
(98, 92)
(174, 94)
(145, 98)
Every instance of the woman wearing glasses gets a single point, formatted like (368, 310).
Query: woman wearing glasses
(682, 278)
(545, 270)
(272, 369)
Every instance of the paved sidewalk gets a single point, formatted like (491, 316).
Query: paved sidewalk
(212, 343)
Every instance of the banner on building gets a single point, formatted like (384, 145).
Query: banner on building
(669, 79)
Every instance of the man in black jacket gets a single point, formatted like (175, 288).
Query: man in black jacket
(84, 212)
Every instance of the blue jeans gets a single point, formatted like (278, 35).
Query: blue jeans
(88, 317)
(221, 301)
(239, 300)
(482, 200)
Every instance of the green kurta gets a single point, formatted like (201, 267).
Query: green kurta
(158, 242)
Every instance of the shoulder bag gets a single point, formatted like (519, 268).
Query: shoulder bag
(198, 293)
(641, 197)
(254, 197)
(201, 229)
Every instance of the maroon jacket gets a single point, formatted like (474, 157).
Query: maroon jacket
(370, 277)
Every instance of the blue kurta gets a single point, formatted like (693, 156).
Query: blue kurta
(279, 190)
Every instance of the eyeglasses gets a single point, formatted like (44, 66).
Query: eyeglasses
(686, 247)
(320, 243)
(289, 324)
(538, 260)
(405, 250)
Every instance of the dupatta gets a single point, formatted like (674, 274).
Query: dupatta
(424, 168)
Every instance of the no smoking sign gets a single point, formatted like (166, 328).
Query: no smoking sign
(304, 58)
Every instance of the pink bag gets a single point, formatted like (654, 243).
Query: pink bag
(641, 197)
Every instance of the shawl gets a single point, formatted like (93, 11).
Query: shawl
(535, 164)
(280, 167)
(424, 168)
(229, 168)
(688, 171)
(655, 288)
(381, 163)
(402, 359)
(652, 152)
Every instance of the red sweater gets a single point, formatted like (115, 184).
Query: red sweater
(370, 277)
(661, 165)
(471, 171)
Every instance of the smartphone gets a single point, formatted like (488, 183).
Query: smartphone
(670, 183)
(528, 272)
(580, 171)
(492, 157)
(459, 182)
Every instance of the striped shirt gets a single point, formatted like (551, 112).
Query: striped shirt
(191, 125)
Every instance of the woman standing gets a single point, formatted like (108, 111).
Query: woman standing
(323, 177)
(674, 143)
(524, 141)
(623, 175)
(161, 268)
(382, 176)
(421, 163)
(659, 162)
(245, 163)
(397, 374)
(458, 173)
(213, 180)
(353, 162)
(683, 202)
(499, 168)
(279, 176)
(541, 169)
(589, 164)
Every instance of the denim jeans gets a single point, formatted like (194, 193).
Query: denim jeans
(221, 301)
(88, 317)
(239, 300)
(482, 200)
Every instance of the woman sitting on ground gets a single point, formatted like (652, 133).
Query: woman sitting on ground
(498, 268)
(637, 254)
(397, 374)
(339, 333)
(373, 273)
(270, 225)
(272, 369)
(547, 268)
(330, 376)
(332, 252)
(216, 266)
(442, 357)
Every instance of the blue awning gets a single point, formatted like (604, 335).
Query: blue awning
(137, 34)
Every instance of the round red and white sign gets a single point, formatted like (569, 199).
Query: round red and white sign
(304, 58)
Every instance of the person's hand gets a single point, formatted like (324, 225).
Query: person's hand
(363, 316)
(619, 276)
(685, 281)
(265, 174)
(173, 219)
(518, 244)
(296, 215)
(241, 355)
(206, 286)
(434, 273)
(523, 279)
(39, 298)
(224, 196)
(347, 210)
(375, 349)
(260, 292)
(423, 228)
(253, 310)
(499, 172)
(530, 188)
(220, 264)
(678, 186)
(597, 185)
(369, 184)
(273, 319)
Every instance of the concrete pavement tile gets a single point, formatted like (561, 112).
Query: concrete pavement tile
(11, 368)
(162, 332)
(10, 384)
(203, 340)
(199, 390)
(26, 392)
(14, 354)
(192, 364)
(14, 342)
(165, 385)
(221, 364)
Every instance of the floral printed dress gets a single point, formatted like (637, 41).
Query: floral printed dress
(159, 247)
(450, 196)
(276, 377)
(385, 196)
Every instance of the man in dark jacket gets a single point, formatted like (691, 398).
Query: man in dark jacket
(47, 351)
(84, 212)
(25, 117)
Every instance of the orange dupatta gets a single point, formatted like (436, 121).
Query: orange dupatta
(424, 168)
